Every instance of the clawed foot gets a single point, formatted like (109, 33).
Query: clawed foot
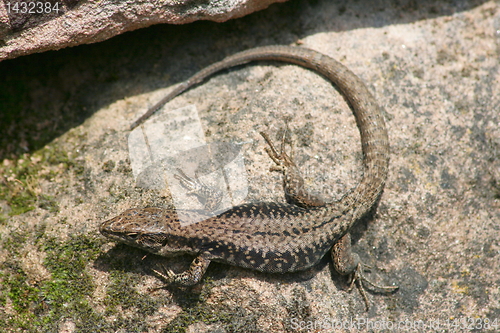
(168, 276)
(282, 160)
(189, 277)
(293, 183)
(358, 278)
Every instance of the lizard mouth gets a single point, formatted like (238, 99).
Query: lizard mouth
(106, 228)
(112, 229)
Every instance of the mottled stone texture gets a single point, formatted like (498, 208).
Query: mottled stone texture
(432, 65)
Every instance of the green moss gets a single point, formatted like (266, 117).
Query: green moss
(23, 297)
(201, 312)
(53, 155)
(19, 188)
(3, 219)
(47, 202)
(66, 262)
(67, 294)
(196, 310)
(121, 294)
(14, 242)
(122, 297)
(21, 203)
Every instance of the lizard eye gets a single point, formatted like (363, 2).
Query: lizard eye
(132, 235)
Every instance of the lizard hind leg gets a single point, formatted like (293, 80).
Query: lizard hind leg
(347, 262)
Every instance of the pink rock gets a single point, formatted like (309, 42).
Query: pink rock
(29, 27)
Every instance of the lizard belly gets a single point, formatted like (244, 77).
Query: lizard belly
(269, 260)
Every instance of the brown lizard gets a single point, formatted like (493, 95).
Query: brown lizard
(272, 237)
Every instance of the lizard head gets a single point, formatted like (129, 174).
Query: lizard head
(143, 228)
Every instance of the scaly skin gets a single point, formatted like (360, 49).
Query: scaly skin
(271, 237)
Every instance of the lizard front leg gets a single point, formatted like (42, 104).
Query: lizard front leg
(189, 277)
